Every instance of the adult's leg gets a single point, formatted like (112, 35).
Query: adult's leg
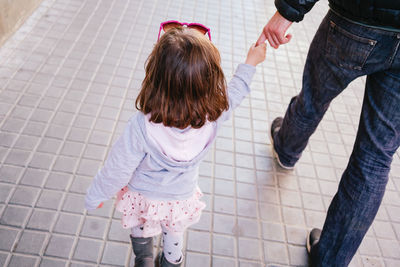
(363, 183)
(324, 77)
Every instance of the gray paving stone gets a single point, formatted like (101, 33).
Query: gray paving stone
(3, 152)
(58, 181)
(80, 264)
(65, 164)
(31, 243)
(95, 152)
(290, 198)
(275, 252)
(26, 142)
(246, 191)
(49, 199)
(222, 187)
(394, 213)
(99, 138)
(270, 213)
(87, 250)
(115, 253)
(293, 216)
(248, 228)
(49, 145)
(74, 203)
(390, 248)
(8, 238)
(5, 192)
(41, 220)
(7, 139)
(67, 224)
(384, 230)
(41, 161)
(222, 261)
(78, 135)
(391, 262)
(25, 196)
(224, 205)
(3, 258)
(89, 167)
(80, 184)
(197, 260)
(269, 195)
(198, 241)
(94, 227)
(298, 256)
(59, 246)
(56, 131)
(249, 248)
(18, 157)
(13, 126)
(34, 177)
(225, 224)
(224, 245)
(369, 247)
(246, 208)
(49, 262)
(23, 261)
(117, 233)
(14, 216)
(204, 223)
(296, 235)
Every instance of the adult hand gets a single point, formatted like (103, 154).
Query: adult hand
(275, 31)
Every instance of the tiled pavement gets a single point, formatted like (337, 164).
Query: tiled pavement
(68, 80)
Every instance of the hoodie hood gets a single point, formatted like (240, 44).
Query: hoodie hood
(175, 148)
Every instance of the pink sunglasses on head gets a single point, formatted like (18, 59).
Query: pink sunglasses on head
(167, 25)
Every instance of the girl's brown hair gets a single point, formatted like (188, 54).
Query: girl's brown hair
(184, 83)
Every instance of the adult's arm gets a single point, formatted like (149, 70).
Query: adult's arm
(288, 11)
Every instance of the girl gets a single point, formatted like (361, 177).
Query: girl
(182, 103)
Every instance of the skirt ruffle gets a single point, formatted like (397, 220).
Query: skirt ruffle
(174, 215)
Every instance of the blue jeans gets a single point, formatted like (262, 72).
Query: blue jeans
(340, 52)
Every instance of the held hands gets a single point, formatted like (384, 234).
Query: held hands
(275, 31)
(256, 54)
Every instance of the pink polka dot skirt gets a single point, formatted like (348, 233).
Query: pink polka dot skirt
(174, 215)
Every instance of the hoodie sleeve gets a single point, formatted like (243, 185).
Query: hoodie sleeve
(239, 87)
(294, 10)
(122, 160)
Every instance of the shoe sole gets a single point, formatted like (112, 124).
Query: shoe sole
(276, 154)
(308, 245)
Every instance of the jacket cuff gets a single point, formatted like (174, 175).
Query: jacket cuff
(89, 205)
(245, 72)
(288, 12)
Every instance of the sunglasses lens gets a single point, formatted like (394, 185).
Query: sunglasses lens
(171, 25)
(199, 28)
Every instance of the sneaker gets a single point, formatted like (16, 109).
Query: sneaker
(312, 239)
(275, 127)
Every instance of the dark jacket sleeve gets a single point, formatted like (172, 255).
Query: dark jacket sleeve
(294, 10)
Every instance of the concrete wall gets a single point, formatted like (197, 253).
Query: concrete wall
(13, 13)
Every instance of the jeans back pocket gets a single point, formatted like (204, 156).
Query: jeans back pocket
(347, 50)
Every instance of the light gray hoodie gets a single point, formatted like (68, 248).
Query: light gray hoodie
(137, 162)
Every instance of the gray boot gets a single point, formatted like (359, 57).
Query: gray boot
(143, 249)
(161, 261)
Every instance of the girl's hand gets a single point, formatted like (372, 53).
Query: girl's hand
(256, 54)
(100, 205)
